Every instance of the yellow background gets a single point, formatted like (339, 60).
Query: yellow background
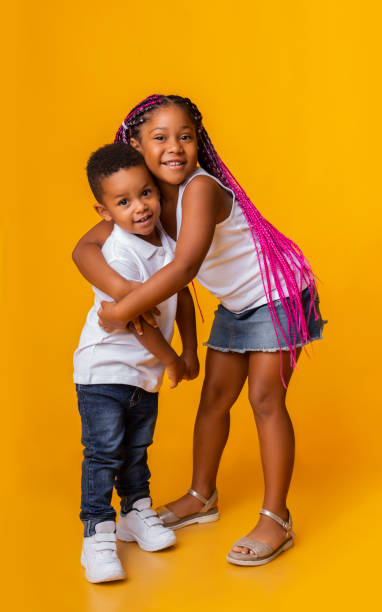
(290, 93)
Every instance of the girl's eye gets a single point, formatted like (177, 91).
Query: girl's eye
(146, 192)
(186, 137)
(160, 138)
(123, 202)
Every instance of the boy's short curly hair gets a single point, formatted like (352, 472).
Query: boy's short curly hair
(109, 159)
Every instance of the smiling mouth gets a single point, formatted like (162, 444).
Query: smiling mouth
(144, 219)
(174, 164)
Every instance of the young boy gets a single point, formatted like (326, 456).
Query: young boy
(118, 374)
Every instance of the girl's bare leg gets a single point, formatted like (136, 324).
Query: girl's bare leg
(224, 379)
(276, 437)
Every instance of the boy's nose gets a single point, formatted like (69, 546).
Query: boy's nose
(139, 206)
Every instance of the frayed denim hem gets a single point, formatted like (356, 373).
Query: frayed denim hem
(260, 349)
(254, 330)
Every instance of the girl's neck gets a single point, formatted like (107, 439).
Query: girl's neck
(169, 201)
(169, 193)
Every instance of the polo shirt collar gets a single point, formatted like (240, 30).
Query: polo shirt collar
(146, 249)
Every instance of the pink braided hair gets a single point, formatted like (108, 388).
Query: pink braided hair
(279, 257)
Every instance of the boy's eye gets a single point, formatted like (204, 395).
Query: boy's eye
(146, 192)
(123, 202)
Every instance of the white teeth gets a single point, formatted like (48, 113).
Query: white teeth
(174, 163)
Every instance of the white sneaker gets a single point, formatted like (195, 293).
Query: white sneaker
(99, 555)
(143, 525)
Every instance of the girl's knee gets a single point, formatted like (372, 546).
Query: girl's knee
(266, 402)
(215, 397)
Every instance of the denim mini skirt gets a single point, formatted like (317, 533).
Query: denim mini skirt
(253, 330)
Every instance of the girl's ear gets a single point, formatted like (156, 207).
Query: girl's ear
(103, 212)
(136, 144)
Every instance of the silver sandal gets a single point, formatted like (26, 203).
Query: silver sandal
(208, 513)
(263, 553)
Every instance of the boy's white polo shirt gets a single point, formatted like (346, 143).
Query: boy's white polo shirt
(119, 358)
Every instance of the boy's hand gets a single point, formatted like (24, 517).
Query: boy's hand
(191, 362)
(175, 371)
(148, 317)
(108, 321)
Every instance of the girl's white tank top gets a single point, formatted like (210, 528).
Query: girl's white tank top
(231, 270)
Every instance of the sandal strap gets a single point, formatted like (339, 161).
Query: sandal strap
(198, 496)
(167, 516)
(259, 548)
(287, 525)
(208, 503)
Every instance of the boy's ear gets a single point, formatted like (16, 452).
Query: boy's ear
(102, 211)
(136, 144)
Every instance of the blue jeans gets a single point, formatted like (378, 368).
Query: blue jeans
(118, 423)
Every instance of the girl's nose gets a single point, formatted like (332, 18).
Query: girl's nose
(175, 145)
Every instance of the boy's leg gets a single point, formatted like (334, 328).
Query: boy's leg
(132, 482)
(138, 521)
(102, 413)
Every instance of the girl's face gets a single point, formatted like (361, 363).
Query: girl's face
(168, 143)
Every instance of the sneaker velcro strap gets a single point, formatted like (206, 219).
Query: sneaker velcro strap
(105, 546)
(147, 512)
(150, 517)
(153, 520)
(105, 537)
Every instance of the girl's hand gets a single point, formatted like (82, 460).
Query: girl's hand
(175, 371)
(107, 317)
(191, 362)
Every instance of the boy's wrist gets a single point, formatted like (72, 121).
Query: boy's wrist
(190, 358)
(190, 350)
(170, 358)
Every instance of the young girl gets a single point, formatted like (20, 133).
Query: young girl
(269, 309)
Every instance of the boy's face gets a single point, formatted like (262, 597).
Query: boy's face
(130, 198)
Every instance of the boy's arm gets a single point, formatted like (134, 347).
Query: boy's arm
(154, 341)
(185, 319)
(186, 366)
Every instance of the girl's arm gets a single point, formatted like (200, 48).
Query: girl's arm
(89, 259)
(202, 200)
(87, 256)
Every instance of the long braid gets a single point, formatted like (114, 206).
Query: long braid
(279, 257)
